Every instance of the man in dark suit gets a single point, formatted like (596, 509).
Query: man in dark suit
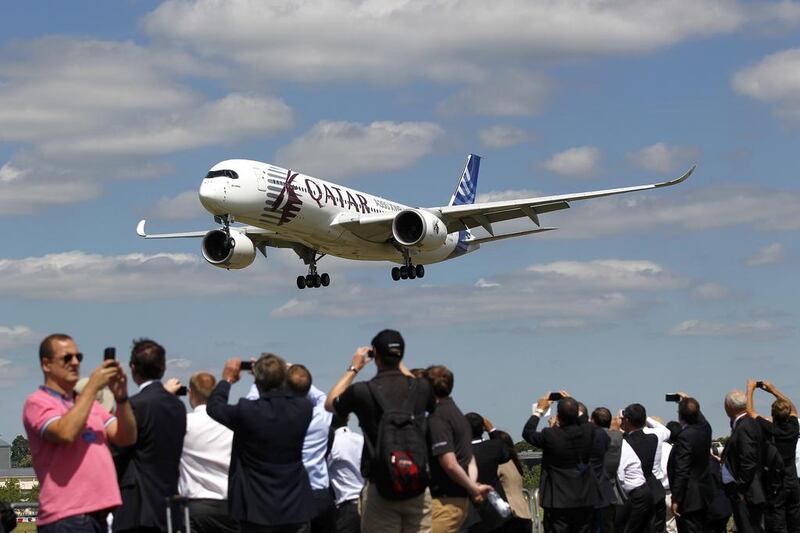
(742, 465)
(567, 486)
(605, 460)
(268, 486)
(645, 446)
(688, 468)
(148, 470)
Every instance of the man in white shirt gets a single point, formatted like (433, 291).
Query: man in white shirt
(635, 514)
(344, 469)
(204, 462)
(655, 427)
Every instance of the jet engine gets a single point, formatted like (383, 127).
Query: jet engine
(238, 251)
(419, 229)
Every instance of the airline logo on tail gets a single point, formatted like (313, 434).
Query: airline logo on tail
(465, 193)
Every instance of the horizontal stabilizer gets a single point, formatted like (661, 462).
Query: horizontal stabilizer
(481, 240)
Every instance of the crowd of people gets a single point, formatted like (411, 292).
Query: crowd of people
(283, 459)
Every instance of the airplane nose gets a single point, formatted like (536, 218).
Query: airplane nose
(212, 196)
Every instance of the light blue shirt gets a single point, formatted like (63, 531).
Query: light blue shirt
(316, 442)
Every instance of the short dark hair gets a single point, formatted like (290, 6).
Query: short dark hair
(201, 384)
(149, 357)
(689, 410)
(636, 415)
(602, 417)
(441, 379)
(475, 423)
(567, 411)
(781, 410)
(46, 346)
(270, 372)
(298, 379)
(583, 413)
(674, 428)
(419, 372)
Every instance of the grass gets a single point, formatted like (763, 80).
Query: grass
(25, 527)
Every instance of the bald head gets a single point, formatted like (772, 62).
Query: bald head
(735, 403)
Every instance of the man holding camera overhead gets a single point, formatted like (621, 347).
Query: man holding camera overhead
(568, 487)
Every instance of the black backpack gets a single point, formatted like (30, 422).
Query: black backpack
(773, 468)
(8, 517)
(399, 465)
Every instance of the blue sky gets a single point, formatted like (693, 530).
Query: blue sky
(112, 112)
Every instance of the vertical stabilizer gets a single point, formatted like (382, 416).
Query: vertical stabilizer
(467, 187)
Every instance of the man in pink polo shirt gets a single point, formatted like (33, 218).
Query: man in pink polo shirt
(69, 437)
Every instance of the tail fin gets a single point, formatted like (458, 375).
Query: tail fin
(467, 187)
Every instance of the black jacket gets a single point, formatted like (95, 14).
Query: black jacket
(267, 483)
(567, 480)
(743, 457)
(689, 477)
(148, 470)
(605, 484)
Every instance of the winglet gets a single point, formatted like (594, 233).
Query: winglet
(140, 228)
(677, 180)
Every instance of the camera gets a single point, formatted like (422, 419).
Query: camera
(109, 353)
(673, 398)
(555, 396)
(759, 384)
(247, 365)
(371, 353)
(182, 391)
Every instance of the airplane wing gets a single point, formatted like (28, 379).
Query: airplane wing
(461, 217)
(261, 237)
(378, 227)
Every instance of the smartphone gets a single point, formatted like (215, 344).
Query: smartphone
(109, 353)
(759, 384)
(554, 396)
(247, 365)
(672, 398)
(371, 353)
(182, 391)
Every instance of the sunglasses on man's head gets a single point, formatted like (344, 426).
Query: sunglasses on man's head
(67, 358)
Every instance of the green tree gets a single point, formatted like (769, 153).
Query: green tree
(10, 491)
(20, 453)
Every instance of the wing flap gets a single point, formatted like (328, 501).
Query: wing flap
(481, 240)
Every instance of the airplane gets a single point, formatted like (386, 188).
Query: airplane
(281, 208)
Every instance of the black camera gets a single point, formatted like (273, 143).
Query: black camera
(182, 391)
(673, 398)
(759, 384)
(555, 396)
(109, 353)
(247, 365)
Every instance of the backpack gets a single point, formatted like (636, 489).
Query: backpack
(399, 466)
(774, 472)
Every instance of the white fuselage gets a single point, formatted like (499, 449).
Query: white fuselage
(306, 210)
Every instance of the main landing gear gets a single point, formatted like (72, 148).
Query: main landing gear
(408, 271)
(312, 280)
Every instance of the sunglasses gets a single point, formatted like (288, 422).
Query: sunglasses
(68, 357)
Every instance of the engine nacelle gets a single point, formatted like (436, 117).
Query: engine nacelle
(419, 229)
(236, 252)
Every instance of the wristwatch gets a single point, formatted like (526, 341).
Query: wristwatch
(352, 369)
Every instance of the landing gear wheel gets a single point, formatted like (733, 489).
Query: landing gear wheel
(403, 272)
(420, 271)
(396, 273)
(317, 281)
(310, 280)
(301, 282)
(412, 274)
(325, 279)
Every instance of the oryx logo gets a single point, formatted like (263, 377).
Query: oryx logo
(287, 201)
(436, 227)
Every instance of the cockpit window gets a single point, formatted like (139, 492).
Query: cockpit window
(223, 174)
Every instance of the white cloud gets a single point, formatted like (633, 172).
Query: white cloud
(568, 294)
(502, 136)
(710, 291)
(183, 206)
(610, 274)
(14, 336)
(232, 118)
(11, 373)
(563, 324)
(755, 330)
(578, 162)
(769, 255)
(660, 157)
(344, 149)
(507, 94)
(9, 173)
(21, 198)
(775, 79)
(389, 41)
(178, 364)
(90, 277)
